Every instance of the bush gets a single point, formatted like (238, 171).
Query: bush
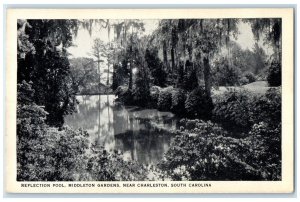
(207, 154)
(51, 155)
(124, 95)
(267, 108)
(104, 166)
(225, 74)
(200, 126)
(178, 101)
(190, 80)
(232, 109)
(141, 92)
(250, 76)
(265, 143)
(121, 90)
(274, 74)
(165, 99)
(154, 94)
(241, 109)
(243, 81)
(198, 104)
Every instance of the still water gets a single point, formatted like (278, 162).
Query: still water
(140, 134)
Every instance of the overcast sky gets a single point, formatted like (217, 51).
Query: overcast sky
(84, 41)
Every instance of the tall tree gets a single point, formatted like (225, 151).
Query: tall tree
(268, 29)
(82, 73)
(42, 60)
(212, 34)
(97, 50)
(127, 32)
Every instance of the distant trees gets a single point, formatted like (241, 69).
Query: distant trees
(82, 73)
(97, 52)
(240, 67)
(269, 29)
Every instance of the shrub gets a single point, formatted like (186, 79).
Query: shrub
(200, 126)
(225, 74)
(178, 101)
(104, 166)
(154, 94)
(265, 143)
(243, 81)
(121, 90)
(50, 155)
(274, 74)
(232, 109)
(141, 92)
(164, 102)
(190, 79)
(250, 76)
(198, 104)
(267, 108)
(124, 95)
(241, 109)
(207, 154)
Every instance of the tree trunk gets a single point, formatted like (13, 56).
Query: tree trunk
(207, 76)
(130, 77)
(130, 64)
(165, 54)
(99, 73)
(173, 63)
(107, 82)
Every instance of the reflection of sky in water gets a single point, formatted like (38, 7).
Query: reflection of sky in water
(127, 129)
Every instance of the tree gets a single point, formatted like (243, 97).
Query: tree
(108, 53)
(42, 59)
(156, 67)
(141, 91)
(97, 51)
(269, 29)
(200, 38)
(167, 36)
(127, 33)
(82, 73)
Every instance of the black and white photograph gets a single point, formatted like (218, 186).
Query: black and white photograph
(148, 100)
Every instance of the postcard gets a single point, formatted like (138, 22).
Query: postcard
(149, 100)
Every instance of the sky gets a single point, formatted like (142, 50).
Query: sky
(84, 41)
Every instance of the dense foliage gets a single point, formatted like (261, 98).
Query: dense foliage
(241, 109)
(156, 67)
(198, 104)
(164, 101)
(178, 101)
(44, 153)
(47, 65)
(141, 92)
(104, 166)
(274, 73)
(233, 109)
(207, 153)
(172, 69)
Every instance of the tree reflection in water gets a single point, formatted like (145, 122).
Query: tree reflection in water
(140, 134)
